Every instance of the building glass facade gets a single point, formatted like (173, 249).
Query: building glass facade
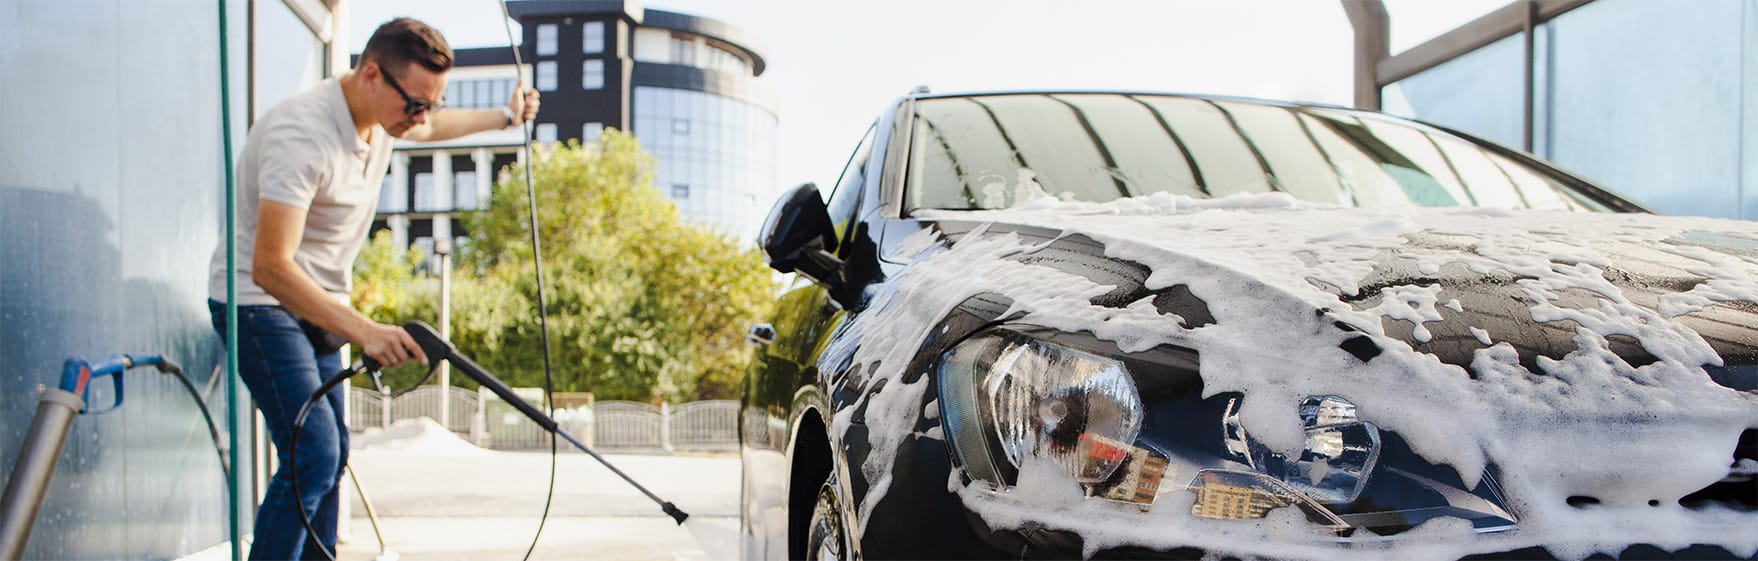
(714, 151)
(1650, 100)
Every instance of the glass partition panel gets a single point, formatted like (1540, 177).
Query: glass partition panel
(288, 58)
(1480, 93)
(1645, 99)
(111, 210)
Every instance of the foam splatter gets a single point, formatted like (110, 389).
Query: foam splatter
(1264, 264)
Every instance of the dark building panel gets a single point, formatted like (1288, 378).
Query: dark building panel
(501, 161)
(570, 105)
(682, 77)
(484, 56)
(525, 10)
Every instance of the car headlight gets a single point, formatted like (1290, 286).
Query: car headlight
(1010, 396)
(1340, 453)
(1028, 398)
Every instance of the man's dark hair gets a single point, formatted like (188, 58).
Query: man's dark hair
(404, 40)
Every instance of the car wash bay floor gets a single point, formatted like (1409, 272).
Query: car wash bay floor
(466, 505)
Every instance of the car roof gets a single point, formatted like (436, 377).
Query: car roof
(922, 93)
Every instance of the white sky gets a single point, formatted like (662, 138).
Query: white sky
(834, 64)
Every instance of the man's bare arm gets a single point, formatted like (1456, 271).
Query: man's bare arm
(278, 231)
(453, 123)
(447, 124)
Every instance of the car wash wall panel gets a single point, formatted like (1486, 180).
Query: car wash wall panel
(111, 202)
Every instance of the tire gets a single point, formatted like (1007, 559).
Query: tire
(826, 539)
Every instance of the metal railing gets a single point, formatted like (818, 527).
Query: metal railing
(485, 420)
(705, 424)
(366, 408)
(628, 424)
(425, 402)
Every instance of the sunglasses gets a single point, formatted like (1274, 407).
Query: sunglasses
(412, 106)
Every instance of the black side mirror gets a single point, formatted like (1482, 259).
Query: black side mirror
(798, 236)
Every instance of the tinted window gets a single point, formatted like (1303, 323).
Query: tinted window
(847, 193)
(993, 151)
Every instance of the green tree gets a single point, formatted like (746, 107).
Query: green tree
(387, 285)
(641, 305)
(390, 286)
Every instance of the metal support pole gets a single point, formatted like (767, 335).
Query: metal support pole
(35, 467)
(665, 425)
(249, 64)
(371, 514)
(1372, 45)
(445, 329)
(1529, 28)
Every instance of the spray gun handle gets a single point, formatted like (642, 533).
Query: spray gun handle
(437, 349)
(77, 373)
(432, 345)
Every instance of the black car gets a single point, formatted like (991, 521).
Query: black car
(1086, 324)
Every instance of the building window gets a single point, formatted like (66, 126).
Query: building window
(546, 76)
(425, 197)
(592, 74)
(464, 191)
(592, 41)
(680, 191)
(478, 94)
(591, 132)
(393, 196)
(459, 96)
(546, 133)
(680, 127)
(546, 39)
(498, 92)
(725, 61)
(683, 51)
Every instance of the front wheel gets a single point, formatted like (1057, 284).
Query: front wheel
(826, 540)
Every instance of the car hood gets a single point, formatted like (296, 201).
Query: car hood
(1446, 283)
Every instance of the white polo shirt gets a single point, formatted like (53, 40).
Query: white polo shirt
(305, 153)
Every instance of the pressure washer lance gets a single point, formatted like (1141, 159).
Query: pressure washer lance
(438, 349)
(42, 445)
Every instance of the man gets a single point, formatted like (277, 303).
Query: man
(308, 184)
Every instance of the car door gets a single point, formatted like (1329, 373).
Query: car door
(781, 388)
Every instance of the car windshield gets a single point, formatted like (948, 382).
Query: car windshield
(969, 153)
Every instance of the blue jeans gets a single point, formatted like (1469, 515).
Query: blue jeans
(278, 365)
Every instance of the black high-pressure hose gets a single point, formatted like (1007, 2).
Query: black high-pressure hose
(293, 452)
(368, 365)
(537, 263)
(213, 429)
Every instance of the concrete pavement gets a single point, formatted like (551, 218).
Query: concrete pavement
(471, 504)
